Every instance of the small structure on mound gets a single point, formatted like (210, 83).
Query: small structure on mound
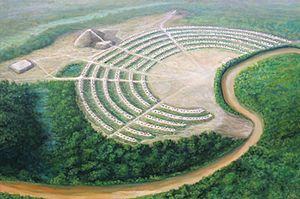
(22, 66)
(103, 45)
(96, 39)
(111, 35)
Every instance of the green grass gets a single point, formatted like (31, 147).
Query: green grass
(115, 97)
(14, 196)
(137, 77)
(270, 169)
(41, 34)
(101, 71)
(130, 97)
(279, 17)
(34, 13)
(90, 71)
(138, 87)
(124, 75)
(71, 70)
(36, 16)
(94, 107)
(106, 104)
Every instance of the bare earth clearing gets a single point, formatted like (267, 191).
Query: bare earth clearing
(130, 113)
(53, 58)
(130, 191)
(174, 72)
(179, 71)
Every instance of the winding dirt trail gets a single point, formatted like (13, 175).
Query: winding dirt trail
(135, 190)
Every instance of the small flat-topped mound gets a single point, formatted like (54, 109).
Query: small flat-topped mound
(21, 66)
(103, 45)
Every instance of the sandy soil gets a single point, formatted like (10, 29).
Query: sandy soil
(179, 71)
(130, 191)
(48, 60)
(53, 58)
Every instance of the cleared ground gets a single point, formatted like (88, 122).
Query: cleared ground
(53, 58)
(195, 71)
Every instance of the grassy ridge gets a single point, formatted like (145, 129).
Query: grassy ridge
(48, 36)
(270, 169)
(21, 16)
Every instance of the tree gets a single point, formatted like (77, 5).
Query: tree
(20, 131)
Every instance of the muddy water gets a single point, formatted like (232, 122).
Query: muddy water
(134, 190)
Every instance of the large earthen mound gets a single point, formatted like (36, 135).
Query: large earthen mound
(88, 38)
(92, 38)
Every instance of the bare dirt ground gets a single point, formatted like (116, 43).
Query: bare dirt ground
(176, 71)
(48, 60)
(51, 59)
(179, 71)
(136, 190)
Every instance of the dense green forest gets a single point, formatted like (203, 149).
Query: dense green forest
(75, 154)
(221, 71)
(71, 70)
(20, 132)
(270, 169)
(10, 196)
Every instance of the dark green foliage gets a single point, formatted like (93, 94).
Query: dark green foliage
(84, 156)
(221, 71)
(270, 169)
(14, 196)
(75, 154)
(71, 70)
(20, 132)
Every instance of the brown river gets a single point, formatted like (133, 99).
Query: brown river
(135, 190)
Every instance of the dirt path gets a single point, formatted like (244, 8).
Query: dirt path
(135, 190)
